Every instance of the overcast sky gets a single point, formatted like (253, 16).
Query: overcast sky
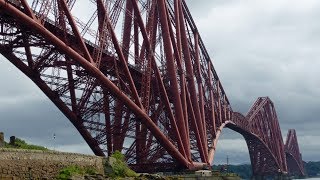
(259, 48)
(266, 48)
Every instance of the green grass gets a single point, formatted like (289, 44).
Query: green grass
(21, 144)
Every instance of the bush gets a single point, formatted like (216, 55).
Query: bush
(70, 171)
(119, 167)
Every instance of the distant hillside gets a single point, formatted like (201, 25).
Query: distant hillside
(312, 168)
(245, 172)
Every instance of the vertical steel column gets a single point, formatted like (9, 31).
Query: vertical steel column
(224, 108)
(195, 128)
(127, 29)
(200, 89)
(177, 4)
(172, 71)
(138, 131)
(177, 54)
(213, 116)
(191, 84)
(163, 91)
(219, 102)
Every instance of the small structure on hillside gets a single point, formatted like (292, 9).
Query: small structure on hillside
(12, 140)
(1, 139)
(204, 173)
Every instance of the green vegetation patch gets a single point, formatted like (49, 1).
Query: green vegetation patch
(117, 167)
(70, 171)
(21, 144)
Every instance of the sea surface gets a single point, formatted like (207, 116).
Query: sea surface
(317, 178)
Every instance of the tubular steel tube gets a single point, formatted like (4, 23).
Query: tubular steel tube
(178, 53)
(213, 116)
(200, 88)
(191, 84)
(172, 70)
(127, 29)
(27, 9)
(183, 97)
(195, 128)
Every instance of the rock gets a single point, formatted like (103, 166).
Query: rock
(77, 177)
(151, 176)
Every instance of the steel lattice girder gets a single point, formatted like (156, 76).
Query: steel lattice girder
(293, 155)
(125, 97)
(135, 77)
(261, 131)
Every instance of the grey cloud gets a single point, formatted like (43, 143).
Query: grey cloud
(268, 48)
(38, 121)
(27, 113)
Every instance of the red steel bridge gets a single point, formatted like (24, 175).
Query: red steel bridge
(135, 76)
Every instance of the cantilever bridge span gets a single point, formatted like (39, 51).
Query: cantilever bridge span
(293, 155)
(135, 76)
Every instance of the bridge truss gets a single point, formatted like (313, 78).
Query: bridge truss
(134, 76)
(293, 155)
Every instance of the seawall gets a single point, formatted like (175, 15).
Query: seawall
(35, 164)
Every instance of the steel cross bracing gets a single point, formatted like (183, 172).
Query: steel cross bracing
(293, 155)
(134, 76)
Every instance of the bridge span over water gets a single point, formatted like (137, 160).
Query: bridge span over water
(135, 76)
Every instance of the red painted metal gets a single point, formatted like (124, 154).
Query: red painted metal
(261, 130)
(144, 84)
(293, 155)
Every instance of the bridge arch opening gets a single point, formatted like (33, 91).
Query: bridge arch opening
(231, 147)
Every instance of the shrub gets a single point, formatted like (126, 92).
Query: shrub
(119, 167)
(68, 172)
